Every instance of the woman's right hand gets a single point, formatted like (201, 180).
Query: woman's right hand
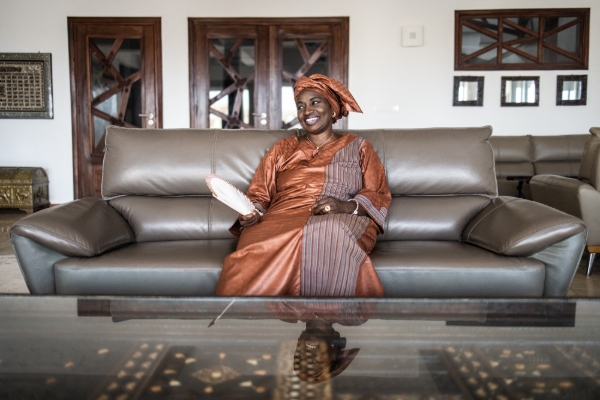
(249, 219)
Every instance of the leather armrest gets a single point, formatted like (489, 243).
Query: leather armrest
(519, 227)
(82, 228)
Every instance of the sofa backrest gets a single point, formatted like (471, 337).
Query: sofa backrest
(156, 178)
(512, 155)
(557, 155)
(533, 155)
(440, 178)
(590, 162)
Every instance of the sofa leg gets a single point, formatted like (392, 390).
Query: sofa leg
(590, 263)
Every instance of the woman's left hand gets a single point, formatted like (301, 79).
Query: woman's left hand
(330, 205)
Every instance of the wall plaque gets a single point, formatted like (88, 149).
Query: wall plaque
(25, 85)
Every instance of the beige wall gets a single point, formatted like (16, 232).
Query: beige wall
(383, 76)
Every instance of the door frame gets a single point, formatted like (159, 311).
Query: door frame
(272, 27)
(80, 121)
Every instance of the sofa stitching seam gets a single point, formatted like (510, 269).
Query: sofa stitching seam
(538, 232)
(57, 235)
(484, 217)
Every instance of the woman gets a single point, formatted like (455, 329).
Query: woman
(324, 197)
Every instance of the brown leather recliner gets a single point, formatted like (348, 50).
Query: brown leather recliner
(578, 197)
(157, 230)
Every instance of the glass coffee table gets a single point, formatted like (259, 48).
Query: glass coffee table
(250, 348)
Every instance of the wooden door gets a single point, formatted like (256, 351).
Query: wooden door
(242, 70)
(116, 79)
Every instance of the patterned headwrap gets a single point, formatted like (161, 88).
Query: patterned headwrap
(337, 95)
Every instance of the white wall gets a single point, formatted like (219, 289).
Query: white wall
(382, 73)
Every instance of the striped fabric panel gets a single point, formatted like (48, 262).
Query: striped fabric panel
(343, 175)
(331, 256)
(377, 215)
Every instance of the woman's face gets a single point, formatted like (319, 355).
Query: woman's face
(314, 112)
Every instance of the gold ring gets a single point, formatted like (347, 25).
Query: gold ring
(327, 209)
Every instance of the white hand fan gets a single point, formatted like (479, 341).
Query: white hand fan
(229, 195)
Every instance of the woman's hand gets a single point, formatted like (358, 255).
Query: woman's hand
(249, 219)
(330, 205)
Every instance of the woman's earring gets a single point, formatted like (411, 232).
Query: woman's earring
(333, 115)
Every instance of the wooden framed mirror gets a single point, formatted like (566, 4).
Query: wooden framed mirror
(571, 90)
(520, 91)
(468, 91)
(522, 39)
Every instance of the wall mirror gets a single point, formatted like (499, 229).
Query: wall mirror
(468, 91)
(519, 91)
(571, 90)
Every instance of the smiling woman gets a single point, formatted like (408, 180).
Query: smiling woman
(324, 198)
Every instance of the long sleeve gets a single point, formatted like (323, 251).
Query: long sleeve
(262, 187)
(375, 196)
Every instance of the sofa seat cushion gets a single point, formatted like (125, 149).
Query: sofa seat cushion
(177, 268)
(454, 269)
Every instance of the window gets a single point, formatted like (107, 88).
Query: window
(522, 39)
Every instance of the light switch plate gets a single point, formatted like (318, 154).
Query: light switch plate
(412, 35)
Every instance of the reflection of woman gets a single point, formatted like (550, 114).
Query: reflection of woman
(321, 353)
(324, 197)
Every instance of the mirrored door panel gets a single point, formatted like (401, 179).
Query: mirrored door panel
(116, 80)
(299, 57)
(231, 94)
(115, 86)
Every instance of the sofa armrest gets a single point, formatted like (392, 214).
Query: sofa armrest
(81, 228)
(518, 227)
(571, 196)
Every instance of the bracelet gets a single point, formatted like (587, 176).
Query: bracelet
(357, 205)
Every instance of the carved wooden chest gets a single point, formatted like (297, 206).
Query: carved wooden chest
(25, 188)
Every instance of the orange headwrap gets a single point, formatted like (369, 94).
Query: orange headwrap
(337, 95)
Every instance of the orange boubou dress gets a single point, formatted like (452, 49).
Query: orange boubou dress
(291, 252)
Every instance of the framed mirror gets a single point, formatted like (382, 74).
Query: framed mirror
(468, 91)
(571, 90)
(520, 91)
(521, 39)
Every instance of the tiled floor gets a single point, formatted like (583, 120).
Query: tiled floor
(11, 279)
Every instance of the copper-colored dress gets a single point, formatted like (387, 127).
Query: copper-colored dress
(291, 252)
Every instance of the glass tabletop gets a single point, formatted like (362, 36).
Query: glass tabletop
(253, 348)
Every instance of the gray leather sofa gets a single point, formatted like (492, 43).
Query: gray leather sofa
(535, 155)
(157, 230)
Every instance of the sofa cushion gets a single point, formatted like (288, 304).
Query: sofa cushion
(174, 162)
(84, 228)
(179, 268)
(436, 161)
(176, 218)
(518, 227)
(454, 269)
(558, 155)
(431, 217)
(511, 149)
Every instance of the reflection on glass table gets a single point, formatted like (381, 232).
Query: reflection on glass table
(520, 91)
(163, 348)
